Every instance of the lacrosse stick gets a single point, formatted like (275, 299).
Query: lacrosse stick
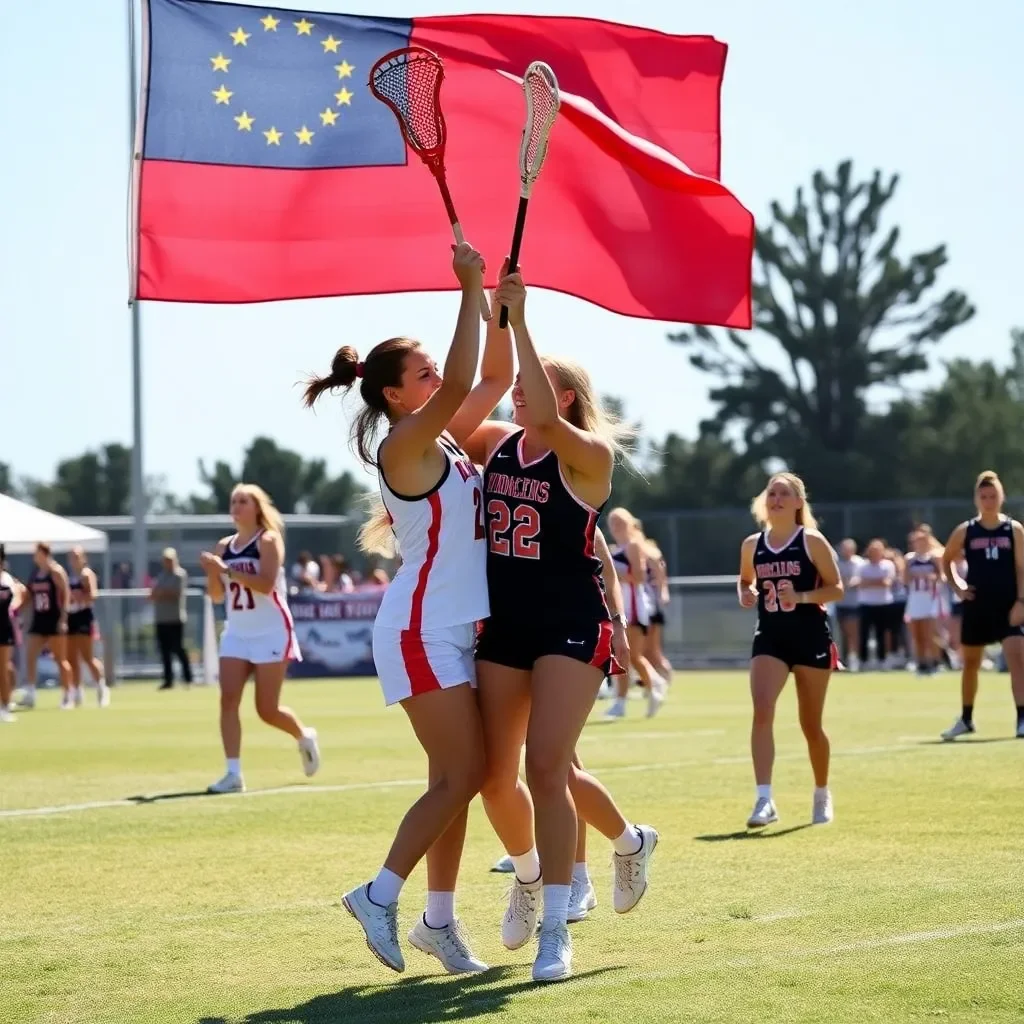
(409, 82)
(541, 88)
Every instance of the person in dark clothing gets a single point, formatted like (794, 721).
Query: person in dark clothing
(170, 616)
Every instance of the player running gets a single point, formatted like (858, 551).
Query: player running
(789, 571)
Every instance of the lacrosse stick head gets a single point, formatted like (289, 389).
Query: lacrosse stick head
(541, 88)
(409, 81)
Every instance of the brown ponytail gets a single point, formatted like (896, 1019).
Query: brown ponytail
(383, 369)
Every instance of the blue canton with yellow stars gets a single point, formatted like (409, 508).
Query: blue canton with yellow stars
(258, 87)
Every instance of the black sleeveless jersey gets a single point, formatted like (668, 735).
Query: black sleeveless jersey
(541, 564)
(6, 597)
(76, 593)
(790, 562)
(990, 562)
(45, 596)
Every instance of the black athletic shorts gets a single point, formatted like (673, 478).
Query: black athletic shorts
(812, 648)
(987, 623)
(45, 625)
(849, 611)
(657, 617)
(80, 623)
(6, 631)
(957, 611)
(519, 644)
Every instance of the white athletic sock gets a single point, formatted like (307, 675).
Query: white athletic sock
(234, 766)
(628, 843)
(820, 791)
(556, 904)
(764, 791)
(527, 866)
(580, 873)
(440, 909)
(385, 888)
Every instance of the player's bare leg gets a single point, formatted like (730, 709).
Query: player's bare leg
(811, 688)
(972, 658)
(768, 676)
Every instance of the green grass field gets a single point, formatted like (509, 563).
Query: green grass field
(128, 897)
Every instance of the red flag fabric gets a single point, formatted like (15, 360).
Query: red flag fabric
(270, 172)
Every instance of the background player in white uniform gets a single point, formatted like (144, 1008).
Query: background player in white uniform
(657, 589)
(425, 629)
(923, 578)
(12, 593)
(247, 574)
(82, 629)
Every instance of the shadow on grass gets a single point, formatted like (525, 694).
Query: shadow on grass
(963, 742)
(770, 833)
(427, 999)
(158, 797)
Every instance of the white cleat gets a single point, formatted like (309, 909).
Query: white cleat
(617, 710)
(7, 715)
(309, 751)
(449, 944)
(631, 871)
(582, 900)
(656, 695)
(821, 812)
(76, 696)
(67, 702)
(764, 813)
(520, 920)
(958, 728)
(103, 695)
(504, 866)
(379, 924)
(230, 783)
(554, 954)
(28, 699)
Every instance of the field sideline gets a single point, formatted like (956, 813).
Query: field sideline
(129, 897)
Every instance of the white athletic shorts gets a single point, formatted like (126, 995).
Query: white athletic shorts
(409, 663)
(261, 648)
(637, 603)
(922, 605)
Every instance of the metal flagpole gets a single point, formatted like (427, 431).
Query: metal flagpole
(140, 556)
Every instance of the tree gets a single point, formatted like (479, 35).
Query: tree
(92, 484)
(846, 313)
(7, 485)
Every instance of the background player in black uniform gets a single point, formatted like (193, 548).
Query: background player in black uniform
(11, 597)
(790, 572)
(82, 631)
(993, 546)
(48, 593)
(544, 651)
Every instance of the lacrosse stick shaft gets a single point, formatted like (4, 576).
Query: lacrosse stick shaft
(485, 306)
(513, 255)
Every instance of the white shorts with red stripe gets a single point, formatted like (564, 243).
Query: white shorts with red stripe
(636, 604)
(412, 662)
(261, 648)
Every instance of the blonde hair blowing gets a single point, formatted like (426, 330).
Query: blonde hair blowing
(375, 536)
(989, 478)
(586, 412)
(266, 511)
(804, 515)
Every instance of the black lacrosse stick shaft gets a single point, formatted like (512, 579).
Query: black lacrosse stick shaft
(513, 255)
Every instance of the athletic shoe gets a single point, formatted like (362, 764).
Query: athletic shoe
(309, 751)
(520, 920)
(76, 696)
(27, 701)
(764, 813)
(103, 695)
(582, 899)
(958, 728)
(617, 710)
(656, 695)
(1020, 730)
(230, 783)
(821, 811)
(7, 715)
(379, 924)
(554, 954)
(631, 871)
(504, 866)
(67, 701)
(449, 944)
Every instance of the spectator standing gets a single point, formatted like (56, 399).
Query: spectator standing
(169, 613)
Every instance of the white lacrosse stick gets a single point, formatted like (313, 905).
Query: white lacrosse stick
(541, 88)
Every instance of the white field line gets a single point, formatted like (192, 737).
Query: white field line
(301, 790)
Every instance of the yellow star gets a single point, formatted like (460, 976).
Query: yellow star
(344, 97)
(305, 136)
(222, 95)
(240, 36)
(245, 122)
(270, 23)
(328, 117)
(273, 137)
(344, 69)
(330, 44)
(305, 27)
(220, 62)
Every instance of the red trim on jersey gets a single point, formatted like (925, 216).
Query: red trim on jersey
(291, 648)
(833, 661)
(414, 654)
(603, 657)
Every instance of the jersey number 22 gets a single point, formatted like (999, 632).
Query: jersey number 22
(527, 526)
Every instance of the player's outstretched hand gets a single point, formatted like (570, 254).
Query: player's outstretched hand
(511, 292)
(469, 267)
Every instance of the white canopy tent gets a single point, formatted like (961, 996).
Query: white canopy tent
(23, 526)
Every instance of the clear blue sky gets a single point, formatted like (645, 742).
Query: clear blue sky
(932, 90)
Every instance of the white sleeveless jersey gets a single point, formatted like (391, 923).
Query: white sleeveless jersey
(441, 538)
(248, 612)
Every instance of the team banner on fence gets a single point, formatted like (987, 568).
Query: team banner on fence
(335, 633)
